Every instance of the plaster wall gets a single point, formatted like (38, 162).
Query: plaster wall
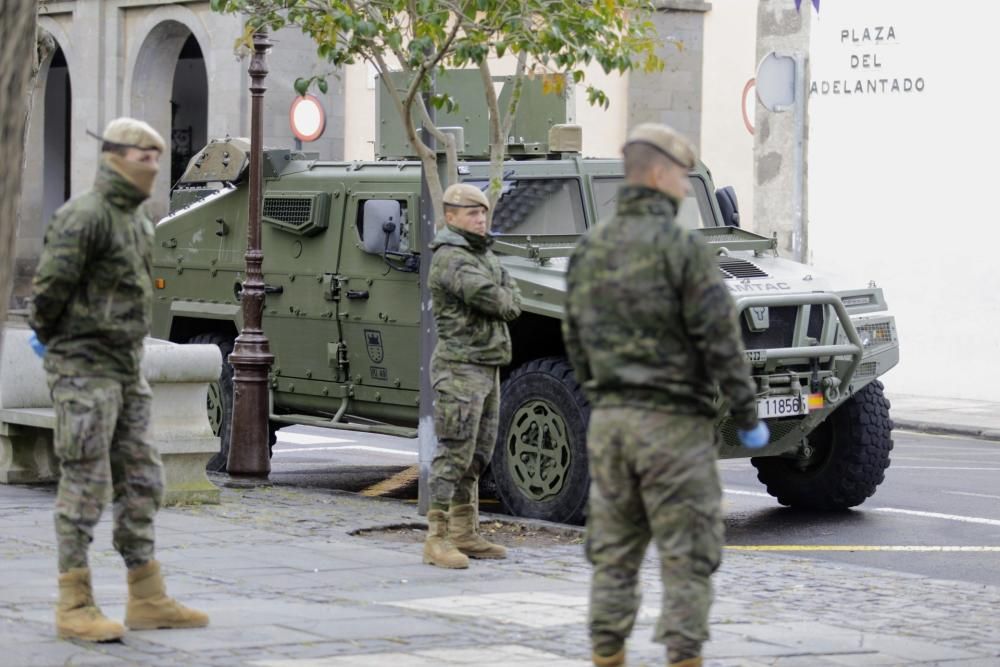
(890, 198)
(729, 63)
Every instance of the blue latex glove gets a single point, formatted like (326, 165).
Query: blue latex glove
(36, 345)
(756, 437)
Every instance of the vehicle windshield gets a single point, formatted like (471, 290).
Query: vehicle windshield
(538, 206)
(689, 215)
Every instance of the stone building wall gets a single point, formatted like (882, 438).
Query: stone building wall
(120, 58)
(673, 96)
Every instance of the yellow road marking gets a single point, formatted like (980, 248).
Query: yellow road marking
(858, 547)
(402, 478)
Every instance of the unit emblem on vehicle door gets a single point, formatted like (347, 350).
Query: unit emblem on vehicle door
(373, 339)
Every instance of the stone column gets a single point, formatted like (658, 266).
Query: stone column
(673, 96)
(780, 140)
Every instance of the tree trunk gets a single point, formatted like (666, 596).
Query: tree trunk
(18, 23)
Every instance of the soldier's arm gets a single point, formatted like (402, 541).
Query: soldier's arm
(575, 351)
(69, 240)
(710, 318)
(507, 281)
(478, 290)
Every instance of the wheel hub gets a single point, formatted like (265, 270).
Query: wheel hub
(538, 450)
(215, 407)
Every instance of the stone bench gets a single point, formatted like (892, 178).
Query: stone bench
(179, 428)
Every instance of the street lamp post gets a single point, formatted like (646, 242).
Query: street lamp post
(251, 358)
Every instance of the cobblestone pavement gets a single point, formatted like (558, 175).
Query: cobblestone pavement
(287, 585)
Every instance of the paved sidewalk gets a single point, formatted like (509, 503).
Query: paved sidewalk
(978, 419)
(287, 585)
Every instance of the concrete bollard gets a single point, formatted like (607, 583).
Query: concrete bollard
(179, 428)
(26, 454)
(178, 376)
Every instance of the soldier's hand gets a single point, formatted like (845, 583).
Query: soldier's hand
(756, 437)
(36, 345)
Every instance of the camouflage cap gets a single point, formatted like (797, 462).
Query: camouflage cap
(463, 195)
(666, 140)
(132, 133)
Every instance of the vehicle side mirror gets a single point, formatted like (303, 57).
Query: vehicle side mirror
(729, 206)
(380, 226)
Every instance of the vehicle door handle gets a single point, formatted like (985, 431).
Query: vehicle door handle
(357, 294)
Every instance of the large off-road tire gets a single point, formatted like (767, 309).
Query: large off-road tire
(540, 463)
(850, 455)
(220, 402)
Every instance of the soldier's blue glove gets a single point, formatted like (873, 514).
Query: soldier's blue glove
(756, 437)
(36, 345)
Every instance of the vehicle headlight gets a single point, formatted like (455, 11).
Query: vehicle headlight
(873, 332)
(876, 334)
(865, 336)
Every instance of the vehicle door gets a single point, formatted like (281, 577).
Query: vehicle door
(301, 236)
(380, 296)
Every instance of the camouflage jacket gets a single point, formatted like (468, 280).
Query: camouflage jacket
(649, 321)
(474, 298)
(93, 289)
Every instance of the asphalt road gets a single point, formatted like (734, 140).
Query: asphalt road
(937, 514)
(346, 461)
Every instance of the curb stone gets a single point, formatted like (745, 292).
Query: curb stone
(991, 434)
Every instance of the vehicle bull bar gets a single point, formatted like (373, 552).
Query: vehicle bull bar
(855, 349)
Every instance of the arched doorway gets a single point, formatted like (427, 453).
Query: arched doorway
(170, 92)
(188, 107)
(57, 114)
(47, 180)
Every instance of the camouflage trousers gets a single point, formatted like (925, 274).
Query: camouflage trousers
(103, 449)
(653, 477)
(465, 421)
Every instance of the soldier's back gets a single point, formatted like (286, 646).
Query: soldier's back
(626, 292)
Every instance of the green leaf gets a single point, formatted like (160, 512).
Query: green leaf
(302, 86)
(322, 85)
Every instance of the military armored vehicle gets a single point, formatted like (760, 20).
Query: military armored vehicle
(340, 246)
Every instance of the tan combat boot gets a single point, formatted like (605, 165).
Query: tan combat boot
(149, 606)
(438, 550)
(463, 531)
(616, 660)
(690, 662)
(77, 617)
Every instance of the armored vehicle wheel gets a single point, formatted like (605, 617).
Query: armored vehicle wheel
(850, 454)
(540, 462)
(220, 397)
(220, 402)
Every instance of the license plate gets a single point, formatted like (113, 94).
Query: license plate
(782, 406)
(756, 356)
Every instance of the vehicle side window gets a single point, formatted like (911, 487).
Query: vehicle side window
(382, 225)
(538, 206)
(606, 196)
(689, 215)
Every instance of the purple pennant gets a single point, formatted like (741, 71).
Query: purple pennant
(798, 5)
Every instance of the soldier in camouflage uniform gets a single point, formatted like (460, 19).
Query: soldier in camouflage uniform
(474, 298)
(90, 312)
(651, 331)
